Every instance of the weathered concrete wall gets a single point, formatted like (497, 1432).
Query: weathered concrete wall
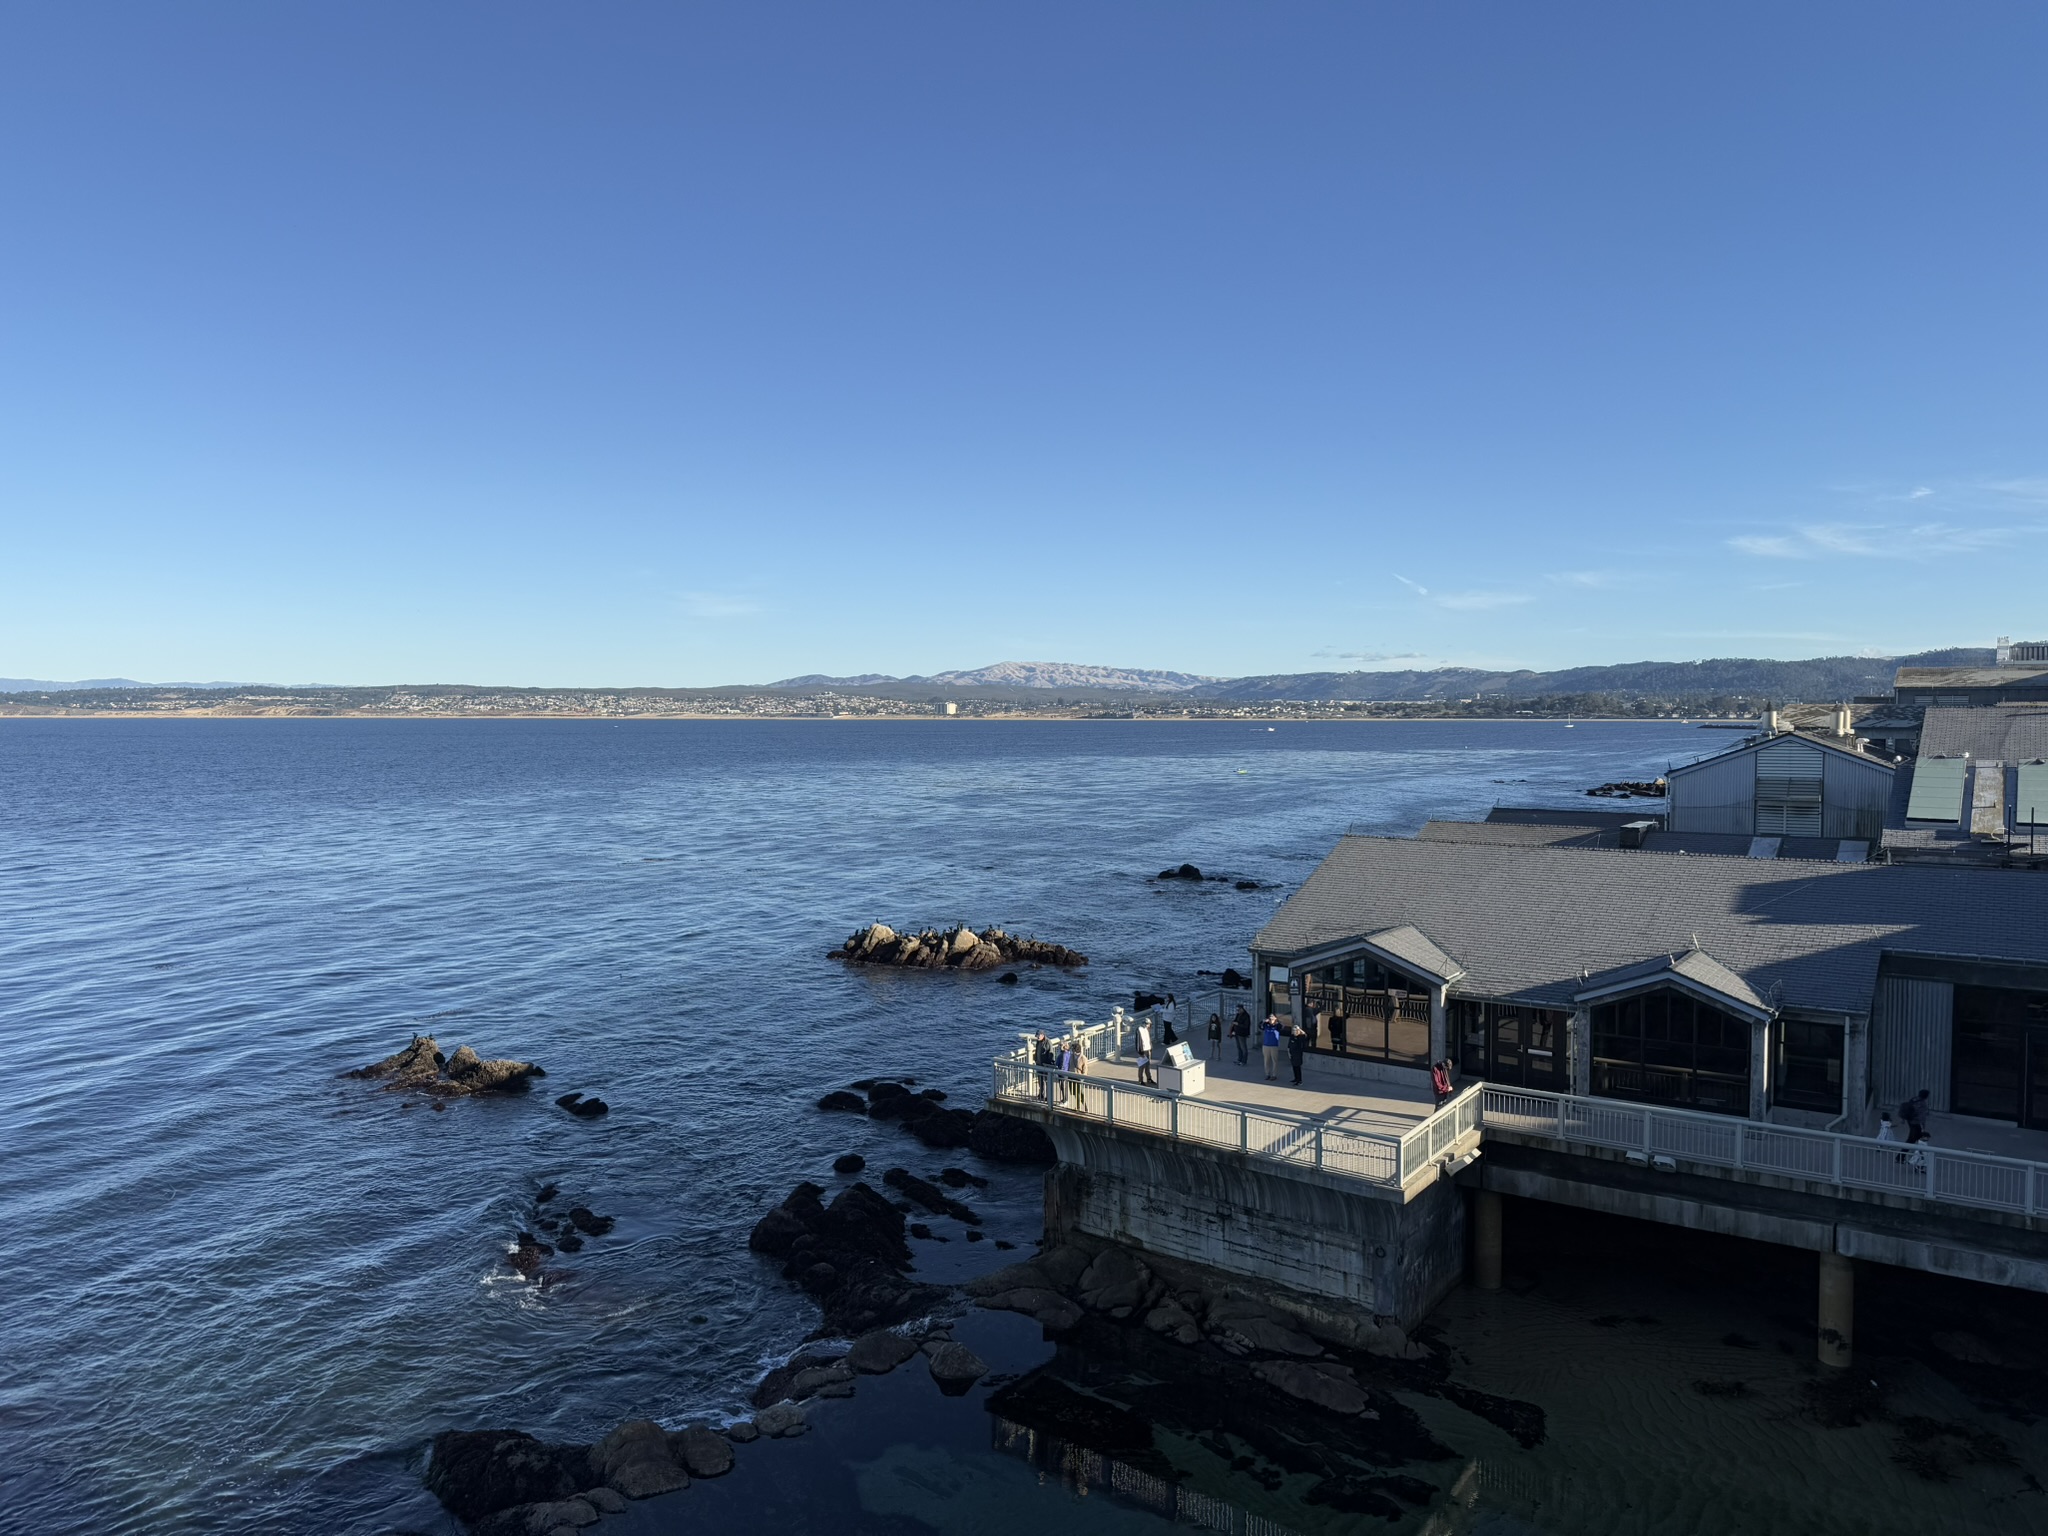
(1301, 1231)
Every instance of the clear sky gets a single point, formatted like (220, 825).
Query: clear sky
(669, 344)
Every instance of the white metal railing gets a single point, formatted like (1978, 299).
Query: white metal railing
(1922, 1171)
(1374, 1157)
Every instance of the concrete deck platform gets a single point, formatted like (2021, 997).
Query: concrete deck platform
(1358, 1104)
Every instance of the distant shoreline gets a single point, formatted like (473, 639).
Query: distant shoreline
(977, 719)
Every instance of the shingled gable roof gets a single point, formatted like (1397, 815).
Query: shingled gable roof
(1526, 922)
(1411, 947)
(1694, 971)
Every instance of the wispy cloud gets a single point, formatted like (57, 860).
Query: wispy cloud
(719, 605)
(1969, 517)
(1415, 585)
(1770, 546)
(1594, 580)
(1879, 541)
(1370, 656)
(1479, 602)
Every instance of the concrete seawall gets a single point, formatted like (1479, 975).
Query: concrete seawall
(1344, 1254)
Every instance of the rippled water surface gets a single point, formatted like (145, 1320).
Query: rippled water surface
(243, 1291)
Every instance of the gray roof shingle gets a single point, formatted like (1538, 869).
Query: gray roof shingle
(2003, 733)
(1526, 923)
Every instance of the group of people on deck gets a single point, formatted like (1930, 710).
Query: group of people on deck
(1064, 1061)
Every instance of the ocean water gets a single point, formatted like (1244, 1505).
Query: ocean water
(244, 1290)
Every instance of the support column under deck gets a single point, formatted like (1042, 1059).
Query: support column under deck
(1486, 1239)
(1837, 1333)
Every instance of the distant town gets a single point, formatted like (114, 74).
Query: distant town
(825, 704)
(1738, 691)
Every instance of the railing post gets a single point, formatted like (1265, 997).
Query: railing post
(1244, 1132)
(1173, 1117)
(1930, 1173)
(1838, 1162)
(1319, 1145)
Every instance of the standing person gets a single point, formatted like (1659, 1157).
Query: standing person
(1241, 1032)
(1215, 1037)
(1269, 1046)
(1297, 1046)
(1145, 1073)
(1339, 1041)
(1042, 1059)
(1315, 1026)
(1914, 1113)
(1440, 1080)
(1078, 1083)
(1167, 1036)
(1066, 1067)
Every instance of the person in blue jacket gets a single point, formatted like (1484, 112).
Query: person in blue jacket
(1269, 1045)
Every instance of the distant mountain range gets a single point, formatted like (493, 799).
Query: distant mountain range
(1820, 680)
(44, 685)
(1028, 674)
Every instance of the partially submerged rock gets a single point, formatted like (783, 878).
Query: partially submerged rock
(849, 1256)
(703, 1452)
(955, 1367)
(782, 1420)
(958, 949)
(878, 1352)
(928, 1195)
(1323, 1383)
(422, 1068)
(475, 1473)
(637, 1460)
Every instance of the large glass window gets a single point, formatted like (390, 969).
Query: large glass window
(1369, 1010)
(1998, 1033)
(1670, 1048)
(1807, 1073)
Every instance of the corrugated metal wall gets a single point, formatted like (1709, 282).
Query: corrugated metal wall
(1718, 795)
(1790, 780)
(1855, 797)
(1911, 1030)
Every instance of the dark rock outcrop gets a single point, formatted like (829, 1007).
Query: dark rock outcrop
(955, 1367)
(1006, 1139)
(956, 949)
(1182, 872)
(422, 1068)
(849, 1256)
(929, 1195)
(841, 1099)
(582, 1108)
(636, 1459)
(702, 1452)
(849, 1162)
(475, 1473)
(879, 1352)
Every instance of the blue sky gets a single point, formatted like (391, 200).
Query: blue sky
(660, 344)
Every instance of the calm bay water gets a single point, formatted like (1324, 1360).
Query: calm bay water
(245, 1291)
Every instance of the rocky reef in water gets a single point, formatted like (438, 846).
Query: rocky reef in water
(950, 949)
(989, 1133)
(1326, 1359)
(422, 1067)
